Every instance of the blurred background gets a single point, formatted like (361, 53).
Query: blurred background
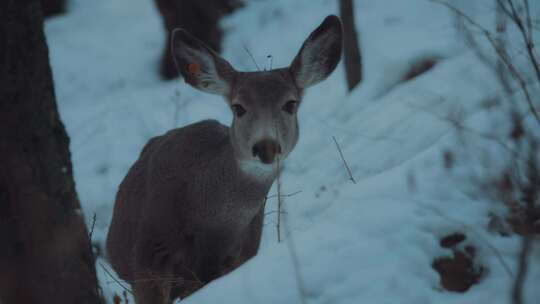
(416, 176)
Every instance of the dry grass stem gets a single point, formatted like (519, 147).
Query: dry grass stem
(284, 195)
(344, 161)
(280, 199)
(252, 58)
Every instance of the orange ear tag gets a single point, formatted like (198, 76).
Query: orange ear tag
(194, 68)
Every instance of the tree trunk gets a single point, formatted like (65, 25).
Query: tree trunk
(53, 7)
(45, 254)
(351, 51)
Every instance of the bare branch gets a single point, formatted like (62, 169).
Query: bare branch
(501, 53)
(527, 36)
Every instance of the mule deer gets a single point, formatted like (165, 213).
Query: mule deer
(191, 207)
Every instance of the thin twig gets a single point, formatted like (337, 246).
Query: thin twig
(115, 279)
(280, 200)
(285, 195)
(92, 228)
(273, 211)
(252, 58)
(271, 60)
(91, 250)
(344, 161)
(170, 279)
(501, 27)
(527, 37)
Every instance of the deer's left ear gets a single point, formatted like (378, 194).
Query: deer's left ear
(319, 54)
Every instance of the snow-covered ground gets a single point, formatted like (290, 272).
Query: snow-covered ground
(372, 241)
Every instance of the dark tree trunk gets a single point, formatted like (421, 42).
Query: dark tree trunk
(351, 50)
(199, 17)
(45, 254)
(53, 7)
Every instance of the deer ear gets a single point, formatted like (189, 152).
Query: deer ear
(319, 54)
(200, 66)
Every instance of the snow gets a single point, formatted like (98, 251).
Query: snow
(373, 241)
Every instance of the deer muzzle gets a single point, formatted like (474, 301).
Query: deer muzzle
(266, 150)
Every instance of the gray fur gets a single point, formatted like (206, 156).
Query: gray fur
(191, 208)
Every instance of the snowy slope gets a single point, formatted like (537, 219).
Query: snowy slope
(373, 241)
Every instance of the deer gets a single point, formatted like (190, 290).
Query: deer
(191, 207)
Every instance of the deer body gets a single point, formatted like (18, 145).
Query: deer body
(174, 205)
(191, 208)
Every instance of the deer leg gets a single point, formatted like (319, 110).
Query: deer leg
(152, 292)
(215, 252)
(153, 276)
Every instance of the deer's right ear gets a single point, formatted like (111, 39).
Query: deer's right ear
(200, 66)
(319, 54)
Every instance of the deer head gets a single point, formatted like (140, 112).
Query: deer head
(264, 103)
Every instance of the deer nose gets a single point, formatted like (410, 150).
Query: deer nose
(266, 150)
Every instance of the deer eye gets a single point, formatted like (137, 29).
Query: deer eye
(238, 110)
(290, 106)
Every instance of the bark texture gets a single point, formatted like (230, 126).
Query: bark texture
(45, 255)
(352, 55)
(53, 7)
